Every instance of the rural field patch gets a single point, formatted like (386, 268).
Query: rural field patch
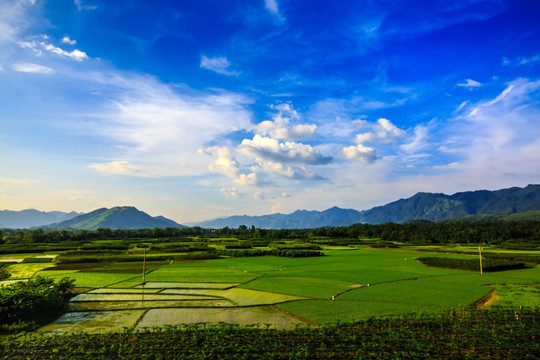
(299, 286)
(95, 280)
(240, 296)
(132, 305)
(93, 322)
(25, 270)
(239, 316)
(135, 297)
(185, 285)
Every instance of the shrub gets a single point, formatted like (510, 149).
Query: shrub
(473, 264)
(34, 301)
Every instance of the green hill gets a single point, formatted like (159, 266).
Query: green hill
(120, 217)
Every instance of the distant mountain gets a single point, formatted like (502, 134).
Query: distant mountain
(124, 217)
(470, 205)
(439, 207)
(32, 218)
(299, 219)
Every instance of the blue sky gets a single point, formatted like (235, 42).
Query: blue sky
(195, 110)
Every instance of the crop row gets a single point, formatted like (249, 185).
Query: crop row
(499, 333)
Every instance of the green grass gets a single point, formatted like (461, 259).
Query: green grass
(398, 284)
(518, 295)
(93, 280)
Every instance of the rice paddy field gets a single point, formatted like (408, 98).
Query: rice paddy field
(347, 284)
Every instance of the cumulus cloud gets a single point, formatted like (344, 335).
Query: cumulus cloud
(288, 152)
(230, 192)
(280, 128)
(226, 164)
(382, 132)
(360, 152)
(470, 84)
(32, 68)
(118, 168)
(295, 173)
(218, 64)
(67, 40)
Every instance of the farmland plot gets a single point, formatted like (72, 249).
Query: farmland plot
(345, 285)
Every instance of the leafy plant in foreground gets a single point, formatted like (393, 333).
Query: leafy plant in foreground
(29, 302)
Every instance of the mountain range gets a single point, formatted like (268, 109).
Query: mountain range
(505, 204)
(422, 206)
(32, 218)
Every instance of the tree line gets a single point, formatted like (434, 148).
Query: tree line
(419, 232)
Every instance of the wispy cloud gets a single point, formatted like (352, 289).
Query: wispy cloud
(32, 68)
(273, 8)
(81, 6)
(520, 61)
(38, 46)
(118, 168)
(218, 64)
(470, 84)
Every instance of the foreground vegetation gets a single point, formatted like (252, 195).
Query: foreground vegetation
(499, 333)
(24, 305)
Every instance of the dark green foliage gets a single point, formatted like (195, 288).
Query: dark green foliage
(107, 258)
(273, 252)
(4, 274)
(296, 246)
(497, 333)
(37, 260)
(33, 301)
(239, 246)
(473, 264)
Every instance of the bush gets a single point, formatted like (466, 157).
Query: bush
(473, 264)
(34, 301)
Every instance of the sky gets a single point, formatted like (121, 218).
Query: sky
(201, 109)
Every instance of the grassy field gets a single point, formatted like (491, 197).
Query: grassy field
(347, 284)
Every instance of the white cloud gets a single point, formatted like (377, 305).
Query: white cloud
(419, 140)
(360, 152)
(495, 141)
(280, 127)
(226, 164)
(470, 84)
(382, 132)
(38, 46)
(32, 68)
(295, 173)
(273, 7)
(67, 40)
(288, 152)
(218, 64)
(12, 20)
(520, 61)
(156, 124)
(118, 168)
(80, 6)
(230, 192)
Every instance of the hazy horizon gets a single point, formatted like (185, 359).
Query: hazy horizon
(203, 110)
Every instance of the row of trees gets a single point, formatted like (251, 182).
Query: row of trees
(494, 232)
